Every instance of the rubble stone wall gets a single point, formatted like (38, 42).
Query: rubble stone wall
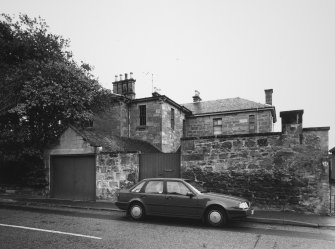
(271, 169)
(115, 171)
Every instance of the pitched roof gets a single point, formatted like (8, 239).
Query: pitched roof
(110, 143)
(226, 105)
(223, 105)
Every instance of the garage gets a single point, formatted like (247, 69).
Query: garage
(72, 177)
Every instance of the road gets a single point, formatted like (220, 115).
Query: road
(40, 229)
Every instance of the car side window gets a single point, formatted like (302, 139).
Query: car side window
(138, 188)
(177, 188)
(154, 187)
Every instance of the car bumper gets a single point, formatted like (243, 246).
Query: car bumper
(122, 205)
(239, 214)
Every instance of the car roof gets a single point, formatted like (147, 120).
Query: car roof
(162, 179)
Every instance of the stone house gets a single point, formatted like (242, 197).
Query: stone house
(229, 116)
(227, 144)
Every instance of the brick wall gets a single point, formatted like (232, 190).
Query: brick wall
(114, 171)
(231, 124)
(271, 169)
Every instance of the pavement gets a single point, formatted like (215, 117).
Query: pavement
(260, 216)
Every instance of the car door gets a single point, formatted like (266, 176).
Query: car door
(153, 197)
(178, 203)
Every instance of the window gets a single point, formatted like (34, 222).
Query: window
(143, 115)
(176, 188)
(252, 124)
(217, 126)
(154, 187)
(172, 118)
(138, 187)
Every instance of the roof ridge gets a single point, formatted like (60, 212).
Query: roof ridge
(216, 100)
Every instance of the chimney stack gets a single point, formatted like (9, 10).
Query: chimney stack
(125, 87)
(268, 96)
(196, 97)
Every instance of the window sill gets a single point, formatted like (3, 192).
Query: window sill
(141, 128)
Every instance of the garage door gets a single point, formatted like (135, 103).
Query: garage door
(73, 177)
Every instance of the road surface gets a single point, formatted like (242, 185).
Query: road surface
(40, 229)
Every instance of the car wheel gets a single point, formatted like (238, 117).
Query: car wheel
(216, 217)
(136, 211)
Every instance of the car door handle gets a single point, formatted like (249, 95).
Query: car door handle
(168, 197)
(143, 196)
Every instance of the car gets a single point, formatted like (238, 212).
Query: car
(175, 197)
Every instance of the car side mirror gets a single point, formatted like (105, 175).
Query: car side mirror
(190, 194)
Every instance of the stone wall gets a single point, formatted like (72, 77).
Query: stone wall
(115, 171)
(171, 137)
(121, 119)
(114, 119)
(271, 169)
(231, 124)
(152, 131)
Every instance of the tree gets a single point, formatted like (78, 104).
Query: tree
(42, 88)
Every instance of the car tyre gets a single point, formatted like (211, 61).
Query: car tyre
(216, 217)
(136, 211)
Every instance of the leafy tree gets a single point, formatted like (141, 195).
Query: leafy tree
(42, 88)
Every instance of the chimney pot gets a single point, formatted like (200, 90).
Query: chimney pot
(125, 76)
(116, 78)
(121, 78)
(131, 75)
(196, 97)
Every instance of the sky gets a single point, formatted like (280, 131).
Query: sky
(222, 48)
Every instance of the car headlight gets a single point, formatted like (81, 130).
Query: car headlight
(243, 205)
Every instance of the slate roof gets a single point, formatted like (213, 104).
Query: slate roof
(223, 105)
(226, 105)
(110, 143)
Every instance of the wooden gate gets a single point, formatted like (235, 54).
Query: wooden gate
(73, 177)
(163, 165)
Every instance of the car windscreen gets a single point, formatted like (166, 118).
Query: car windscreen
(197, 185)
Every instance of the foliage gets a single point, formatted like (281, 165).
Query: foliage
(42, 88)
